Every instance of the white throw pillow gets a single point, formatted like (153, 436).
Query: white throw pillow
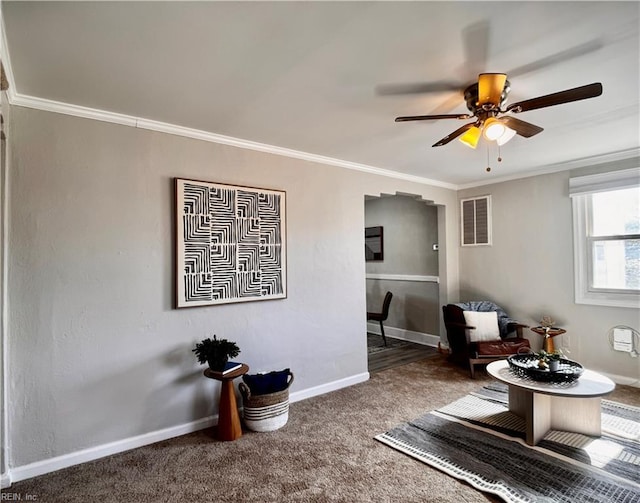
(486, 326)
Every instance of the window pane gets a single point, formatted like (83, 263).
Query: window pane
(616, 264)
(616, 212)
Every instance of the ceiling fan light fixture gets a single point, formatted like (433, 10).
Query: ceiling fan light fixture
(493, 129)
(506, 136)
(471, 137)
(490, 88)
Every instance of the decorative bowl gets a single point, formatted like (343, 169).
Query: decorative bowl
(527, 366)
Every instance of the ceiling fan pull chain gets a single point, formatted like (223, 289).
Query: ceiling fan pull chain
(499, 155)
(488, 161)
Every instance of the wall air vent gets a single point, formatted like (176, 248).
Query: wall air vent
(475, 221)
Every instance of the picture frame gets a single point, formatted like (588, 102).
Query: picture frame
(373, 244)
(230, 244)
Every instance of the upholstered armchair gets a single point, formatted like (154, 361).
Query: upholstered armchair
(480, 332)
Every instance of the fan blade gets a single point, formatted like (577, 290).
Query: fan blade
(448, 105)
(432, 117)
(549, 100)
(490, 87)
(475, 38)
(454, 135)
(522, 128)
(559, 57)
(419, 87)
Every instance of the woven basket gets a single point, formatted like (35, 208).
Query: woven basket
(265, 412)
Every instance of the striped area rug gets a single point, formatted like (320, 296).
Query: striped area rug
(477, 439)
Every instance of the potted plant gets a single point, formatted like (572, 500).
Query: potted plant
(216, 352)
(550, 360)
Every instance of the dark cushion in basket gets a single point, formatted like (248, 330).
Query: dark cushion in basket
(271, 382)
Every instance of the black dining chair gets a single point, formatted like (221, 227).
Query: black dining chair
(383, 315)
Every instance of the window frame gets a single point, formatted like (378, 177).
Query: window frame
(580, 189)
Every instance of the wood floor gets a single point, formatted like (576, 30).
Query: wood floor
(395, 354)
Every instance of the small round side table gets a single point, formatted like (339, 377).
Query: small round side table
(548, 334)
(229, 427)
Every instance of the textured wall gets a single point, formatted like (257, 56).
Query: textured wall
(96, 352)
(3, 172)
(529, 270)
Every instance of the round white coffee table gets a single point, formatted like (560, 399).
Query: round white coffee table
(573, 407)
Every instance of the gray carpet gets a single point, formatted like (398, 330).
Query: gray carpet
(477, 439)
(325, 453)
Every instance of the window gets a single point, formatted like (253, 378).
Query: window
(606, 220)
(476, 221)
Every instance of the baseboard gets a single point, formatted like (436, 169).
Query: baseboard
(5, 480)
(101, 451)
(405, 335)
(326, 388)
(75, 458)
(627, 381)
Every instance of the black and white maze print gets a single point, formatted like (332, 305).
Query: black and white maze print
(232, 243)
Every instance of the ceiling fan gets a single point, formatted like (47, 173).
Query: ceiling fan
(486, 99)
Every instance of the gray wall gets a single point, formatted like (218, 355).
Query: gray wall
(410, 230)
(3, 170)
(95, 351)
(529, 270)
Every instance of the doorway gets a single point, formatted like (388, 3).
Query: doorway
(408, 267)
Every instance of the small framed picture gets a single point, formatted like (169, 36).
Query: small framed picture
(373, 244)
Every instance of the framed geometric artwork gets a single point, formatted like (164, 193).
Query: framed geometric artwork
(230, 244)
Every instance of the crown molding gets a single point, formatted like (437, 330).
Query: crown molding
(286, 152)
(22, 100)
(582, 162)
(18, 99)
(75, 110)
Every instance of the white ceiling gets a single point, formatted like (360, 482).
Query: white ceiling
(310, 76)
